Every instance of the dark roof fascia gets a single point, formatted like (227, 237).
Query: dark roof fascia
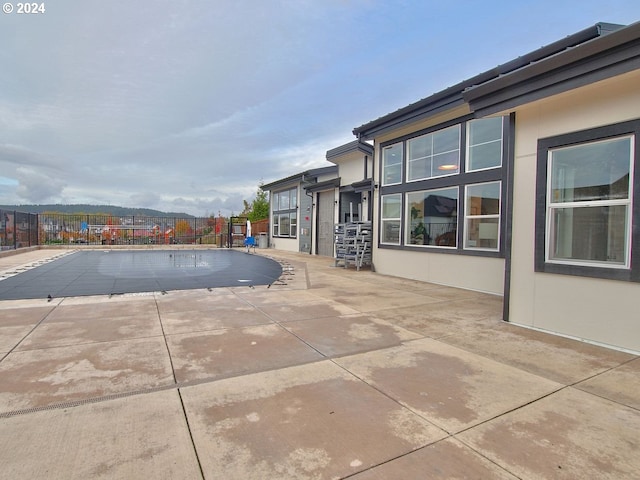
(317, 172)
(363, 185)
(358, 187)
(306, 176)
(613, 54)
(326, 185)
(453, 96)
(412, 113)
(355, 146)
(297, 178)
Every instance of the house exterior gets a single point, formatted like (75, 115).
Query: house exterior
(305, 207)
(293, 211)
(523, 181)
(355, 168)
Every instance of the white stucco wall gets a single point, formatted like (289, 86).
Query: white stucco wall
(351, 167)
(472, 273)
(596, 310)
(287, 244)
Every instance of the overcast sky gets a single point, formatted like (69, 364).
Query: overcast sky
(188, 105)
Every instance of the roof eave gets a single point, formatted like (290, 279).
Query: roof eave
(354, 146)
(453, 96)
(313, 174)
(613, 54)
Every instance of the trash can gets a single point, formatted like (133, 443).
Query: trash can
(263, 241)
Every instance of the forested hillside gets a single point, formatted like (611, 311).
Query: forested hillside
(92, 209)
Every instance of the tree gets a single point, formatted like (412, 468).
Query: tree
(183, 228)
(259, 207)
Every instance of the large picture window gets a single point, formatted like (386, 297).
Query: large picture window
(433, 217)
(589, 203)
(285, 216)
(586, 207)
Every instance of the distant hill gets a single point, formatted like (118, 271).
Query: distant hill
(93, 209)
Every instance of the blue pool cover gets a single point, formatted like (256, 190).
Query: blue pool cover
(112, 272)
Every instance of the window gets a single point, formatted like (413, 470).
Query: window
(434, 155)
(589, 203)
(392, 164)
(285, 215)
(482, 216)
(293, 224)
(484, 143)
(445, 188)
(390, 223)
(433, 217)
(586, 206)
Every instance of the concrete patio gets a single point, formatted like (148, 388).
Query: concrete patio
(328, 374)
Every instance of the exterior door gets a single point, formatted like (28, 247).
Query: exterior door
(324, 238)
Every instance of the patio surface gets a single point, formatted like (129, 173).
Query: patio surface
(327, 374)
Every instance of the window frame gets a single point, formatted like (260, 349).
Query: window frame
(630, 272)
(468, 216)
(468, 145)
(384, 219)
(458, 180)
(432, 155)
(279, 213)
(407, 233)
(385, 166)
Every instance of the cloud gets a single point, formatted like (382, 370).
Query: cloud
(37, 187)
(144, 199)
(189, 104)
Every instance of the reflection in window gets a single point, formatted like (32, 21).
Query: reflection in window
(482, 216)
(589, 202)
(433, 217)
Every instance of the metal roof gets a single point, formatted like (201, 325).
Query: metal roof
(453, 96)
(310, 175)
(586, 63)
(355, 146)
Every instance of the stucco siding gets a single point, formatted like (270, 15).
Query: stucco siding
(592, 309)
(353, 170)
(472, 273)
(287, 244)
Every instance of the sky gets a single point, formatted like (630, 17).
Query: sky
(189, 105)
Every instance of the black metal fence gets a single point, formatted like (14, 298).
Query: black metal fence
(18, 229)
(128, 230)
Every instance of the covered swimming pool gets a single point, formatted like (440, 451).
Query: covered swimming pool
(113, 272)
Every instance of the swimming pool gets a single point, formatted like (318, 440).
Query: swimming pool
(111, 272)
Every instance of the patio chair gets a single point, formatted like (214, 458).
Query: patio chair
(250, 242)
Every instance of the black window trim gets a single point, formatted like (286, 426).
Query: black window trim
(287, 211)
(575, 138)
(456, 180)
